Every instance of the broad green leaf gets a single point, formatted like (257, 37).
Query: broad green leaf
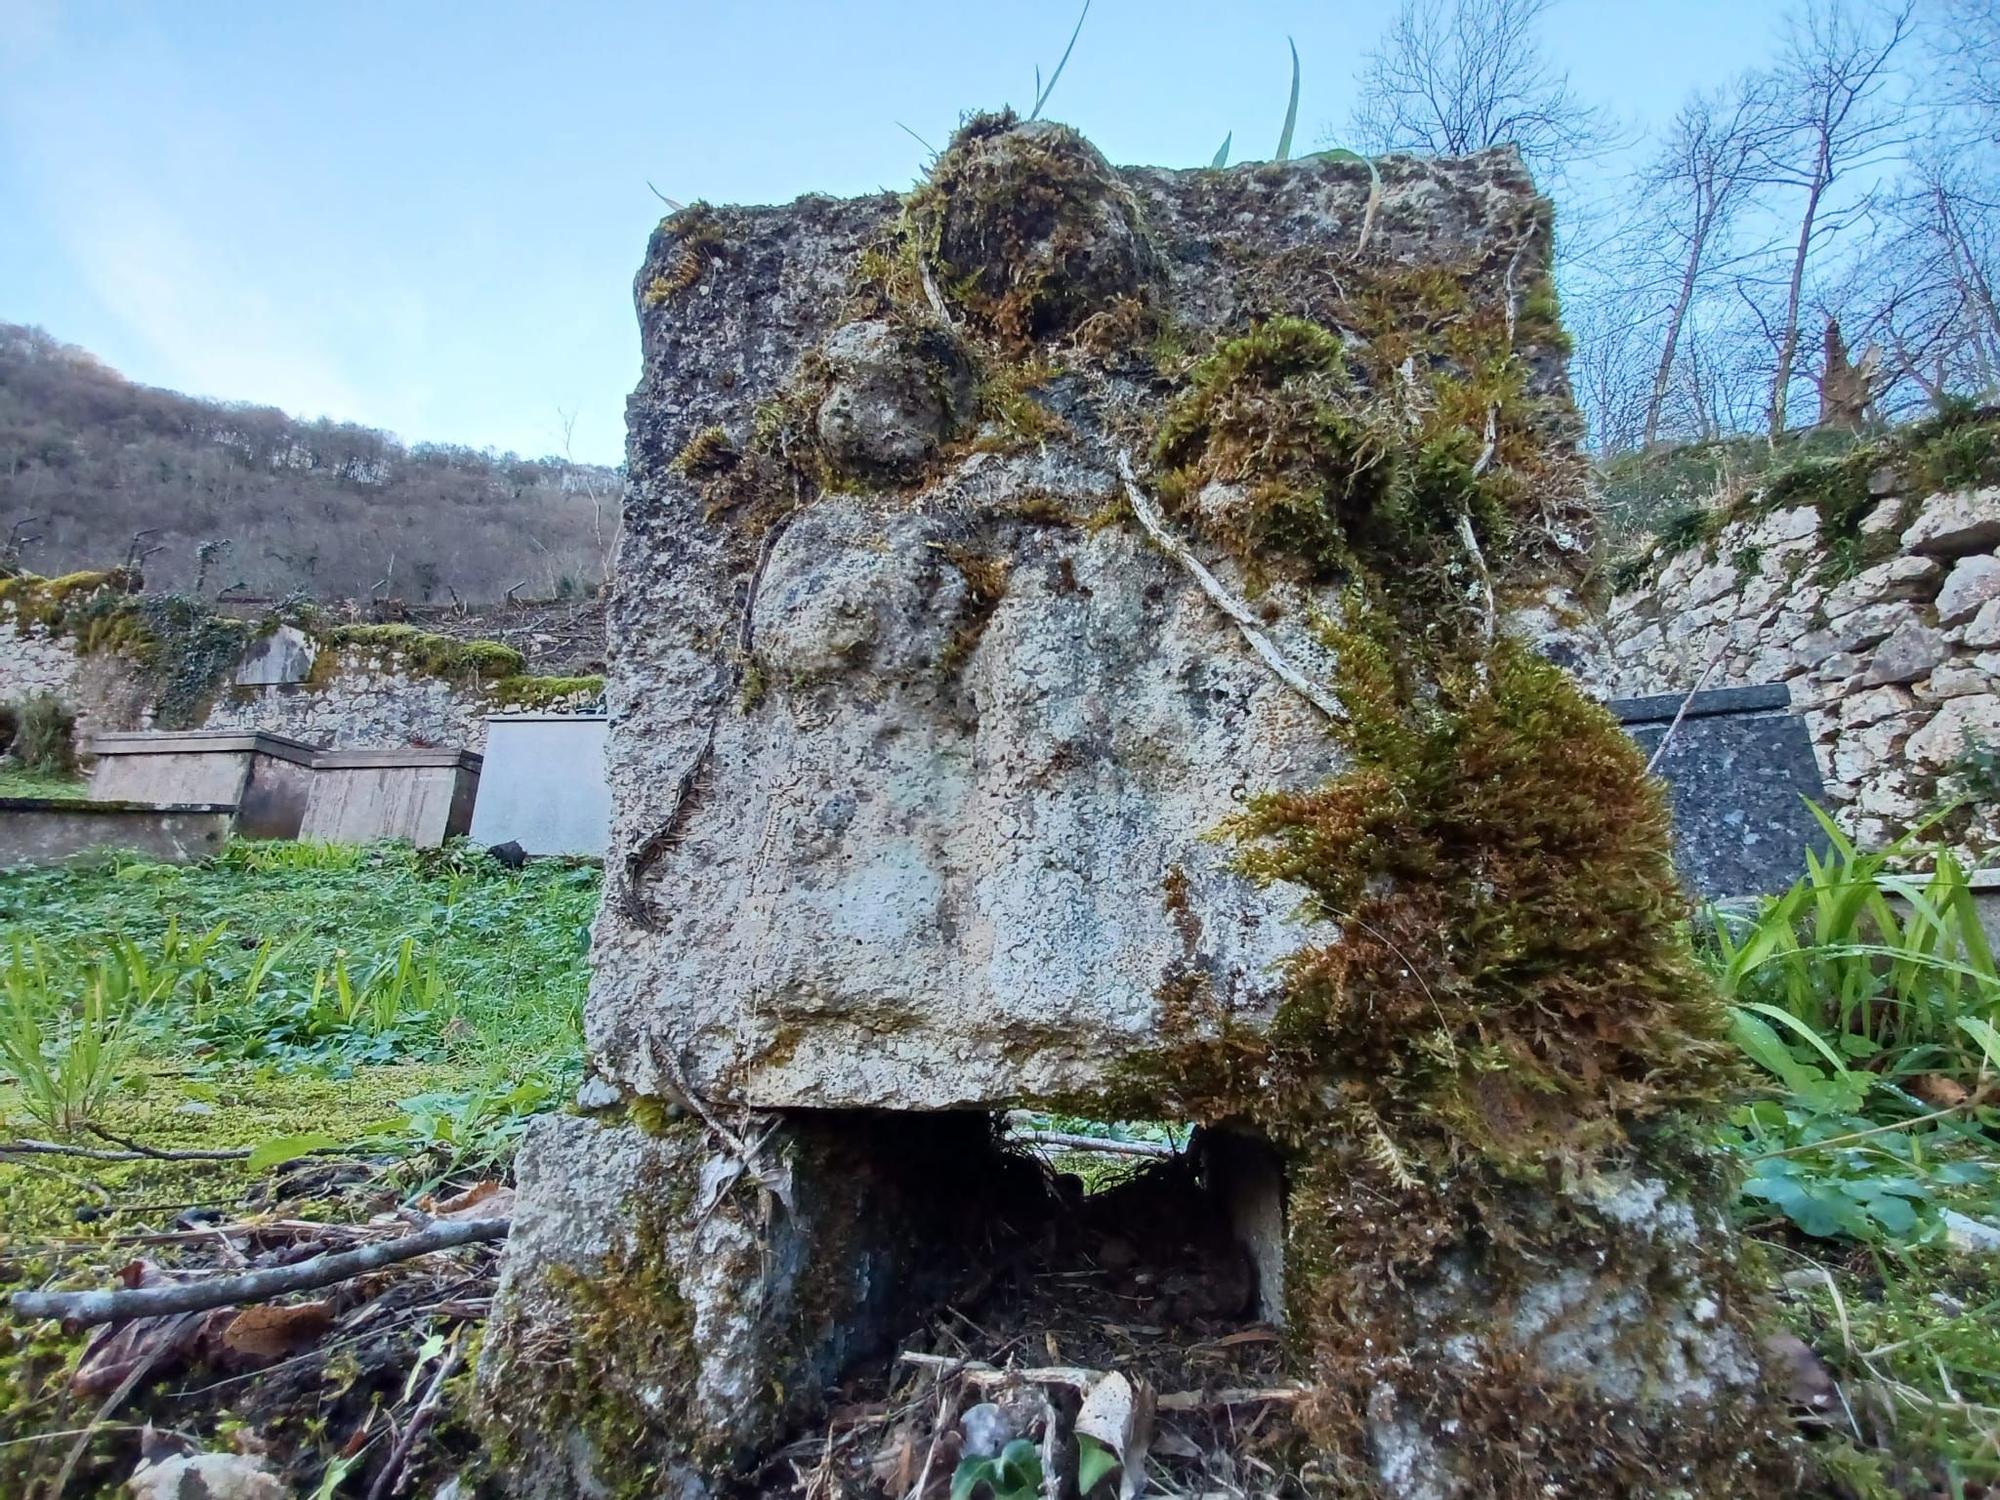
(1806, 1033)
(281, 1149)
(1094, 1463)
(1761, 1043)
(1983, 1033)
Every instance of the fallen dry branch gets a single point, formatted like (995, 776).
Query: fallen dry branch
(100, 1153)
(1239, 612)
(1063, 1141)
(978, 1372)
(85, 1309)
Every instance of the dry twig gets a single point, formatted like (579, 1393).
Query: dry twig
(85, 1309)
(1239, 612)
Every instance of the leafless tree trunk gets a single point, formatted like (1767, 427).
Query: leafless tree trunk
(1699, 180)
(1834, 118)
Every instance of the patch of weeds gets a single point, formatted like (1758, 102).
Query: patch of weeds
(698, 243)
(708, 452)
(1685, 530)
(44, 739)
(1957, 448)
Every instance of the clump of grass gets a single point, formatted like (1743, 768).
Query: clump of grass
(69, 1045)
(44, 740)
(698, 240)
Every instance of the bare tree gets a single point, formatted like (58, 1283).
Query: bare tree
(1834, 117)
(1970, 51)
(1453, 76)
(1925, 289)
(1699, 181)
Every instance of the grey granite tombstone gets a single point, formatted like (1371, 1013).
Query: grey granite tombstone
(1738, 771)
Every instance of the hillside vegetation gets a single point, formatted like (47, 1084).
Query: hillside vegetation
(248, 500)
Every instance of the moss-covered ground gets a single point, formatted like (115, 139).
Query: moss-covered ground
(399, 1013)
(18, 781)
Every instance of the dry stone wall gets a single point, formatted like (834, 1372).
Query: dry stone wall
(357, 697)
(1896, 667)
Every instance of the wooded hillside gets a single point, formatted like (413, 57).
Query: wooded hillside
(248, 500)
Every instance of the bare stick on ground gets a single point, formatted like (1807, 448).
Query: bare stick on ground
(85, 1309)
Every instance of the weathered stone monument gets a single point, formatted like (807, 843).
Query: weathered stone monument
(268, 778)
(1058, 660)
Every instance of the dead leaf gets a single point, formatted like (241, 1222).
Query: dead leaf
(1939, 1091)
(480, 1194)
(275, 1330)
(160, 1344)
(1118, 1412)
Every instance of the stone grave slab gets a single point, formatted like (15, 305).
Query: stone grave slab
(542, 784)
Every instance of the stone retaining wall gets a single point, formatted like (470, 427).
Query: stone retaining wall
(367, 699)
(1896, 667)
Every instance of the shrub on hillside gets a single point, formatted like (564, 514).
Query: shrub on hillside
(44, 735)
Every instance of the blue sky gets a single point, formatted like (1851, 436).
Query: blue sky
(426, 216)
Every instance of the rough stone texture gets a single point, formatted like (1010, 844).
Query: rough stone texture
(651, 1288)
(101, 690)
(1924, 622)
(1956, 523)
(896, 396)
(911, 879)
(369, 699)
(914, 782)
(1974, 581)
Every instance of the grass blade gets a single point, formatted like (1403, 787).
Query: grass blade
(1042, 94)
(1291, 109)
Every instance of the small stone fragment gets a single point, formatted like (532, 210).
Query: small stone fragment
(987, 1428)
(209, 1476)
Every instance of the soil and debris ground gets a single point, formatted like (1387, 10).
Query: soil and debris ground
(1130, 1272)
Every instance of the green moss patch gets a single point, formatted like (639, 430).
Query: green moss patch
(1031, 233)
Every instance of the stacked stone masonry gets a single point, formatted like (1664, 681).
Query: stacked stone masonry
(1896, 669)
(368, 699)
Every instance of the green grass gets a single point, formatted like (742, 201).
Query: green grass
(1866, 1001)
(16, 781)
(507, 948)
(408, 1011)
